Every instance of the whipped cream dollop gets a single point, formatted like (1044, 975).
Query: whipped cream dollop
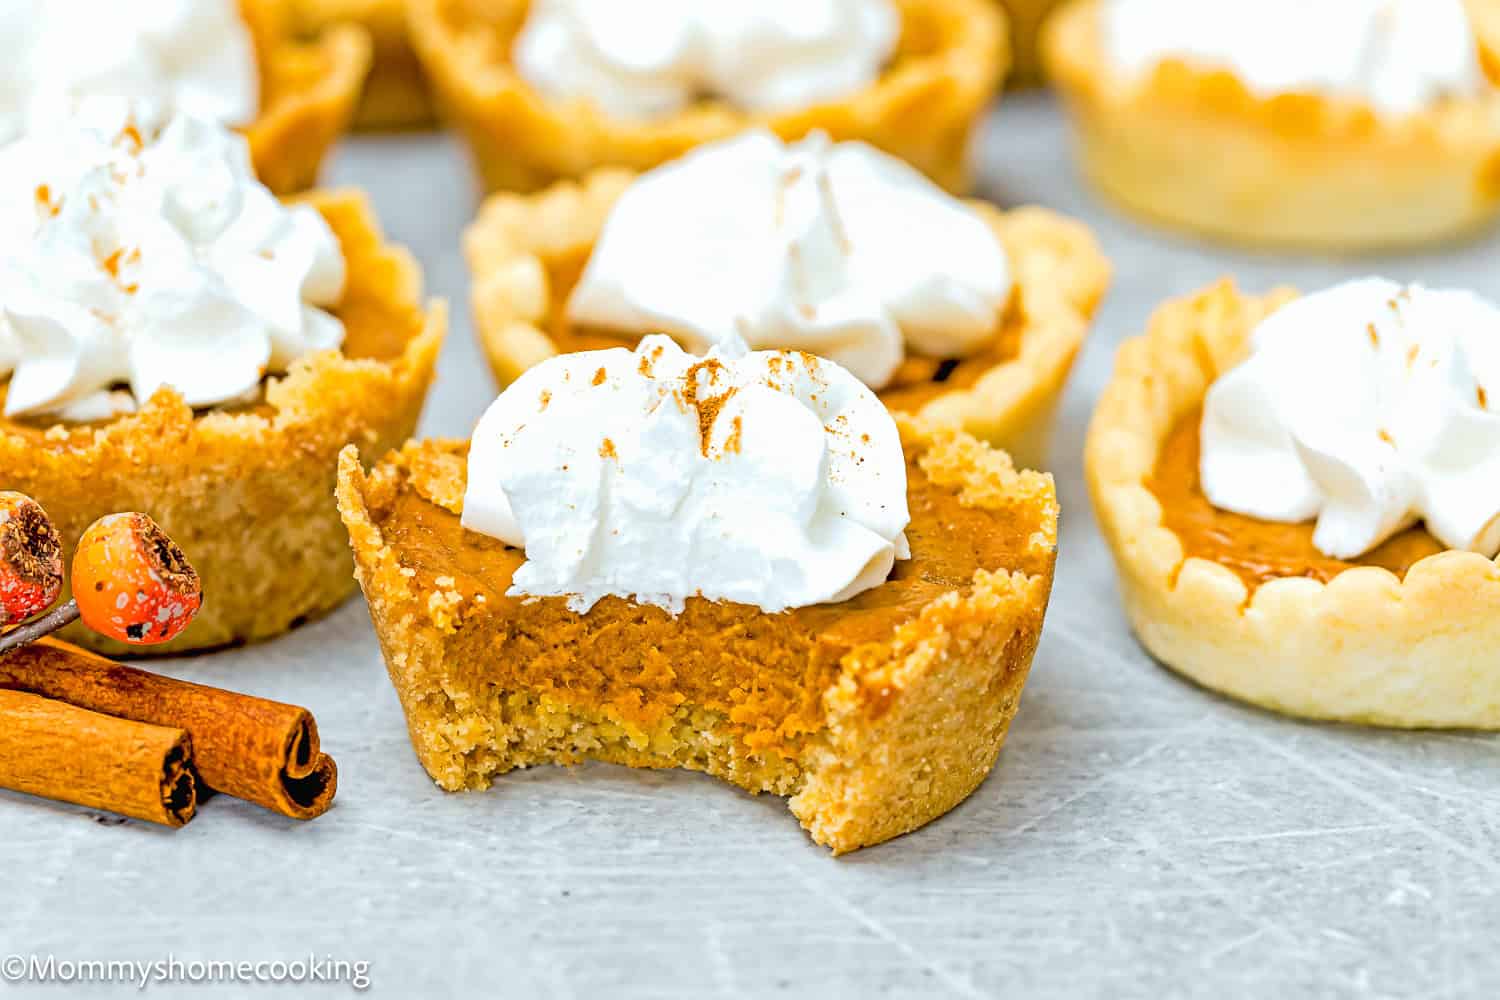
(840, 250)
(1368, 406)
(649, 58)
(140, 252)
(770, 478)
(194, 56)
(1398, 56)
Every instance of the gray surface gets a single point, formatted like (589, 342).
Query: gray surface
(1139, 837)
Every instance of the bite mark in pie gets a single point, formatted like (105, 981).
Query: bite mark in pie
(874, 715)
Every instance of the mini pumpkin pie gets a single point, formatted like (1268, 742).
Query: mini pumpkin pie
(148, 286)
(395, 93)
(236, 63)
(555, 89)
(1350, 126)
(966, 315)
(1301, 499)
(757, 573)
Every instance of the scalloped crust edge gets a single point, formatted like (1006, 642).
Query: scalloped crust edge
(1367, 647)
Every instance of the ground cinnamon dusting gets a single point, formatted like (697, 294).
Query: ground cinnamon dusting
(600, 376)
(708, 409)
(607, 449)
(1482, 396)
(1374, 336)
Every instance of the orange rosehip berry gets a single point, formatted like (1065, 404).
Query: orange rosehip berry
(30, 558)
(132, 583)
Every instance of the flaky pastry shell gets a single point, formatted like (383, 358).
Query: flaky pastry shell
(309, 90)
(951, 59)
(520, 243)
(1367, 647)
(1193, 149)
(911, 723)
(248, 492)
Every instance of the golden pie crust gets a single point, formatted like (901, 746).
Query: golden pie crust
(525, 253)
(248, 492)
(875, 716)
(1194, 150)
(949, 63)
(395, 93)
(309, 90)
(1026, 19)
(1367, 646)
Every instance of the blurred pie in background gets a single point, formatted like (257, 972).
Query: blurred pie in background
(1026, 19)
(1356, 125)
(554, 89)
(395, 94)
(237, 64)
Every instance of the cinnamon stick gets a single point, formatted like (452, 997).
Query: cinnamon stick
(253, 749)
(59, 751)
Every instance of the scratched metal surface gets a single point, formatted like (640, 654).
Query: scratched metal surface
(1139, 837)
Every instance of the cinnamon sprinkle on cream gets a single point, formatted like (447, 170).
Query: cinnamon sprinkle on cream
(732, 442)
(708, 409)
(607, 449)
(600, 376)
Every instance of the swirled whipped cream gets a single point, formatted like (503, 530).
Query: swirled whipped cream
(1398, 56)
(141, 253)
(1368, 406)
(650, 58)
(194, 56)
(839, 250)
(770, 478)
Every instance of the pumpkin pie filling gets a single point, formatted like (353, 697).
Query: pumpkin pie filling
(1257, 551)
(765, 674)
(918, 380)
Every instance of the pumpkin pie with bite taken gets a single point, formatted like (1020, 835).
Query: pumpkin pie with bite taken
(1300, 496)
(757, 573)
